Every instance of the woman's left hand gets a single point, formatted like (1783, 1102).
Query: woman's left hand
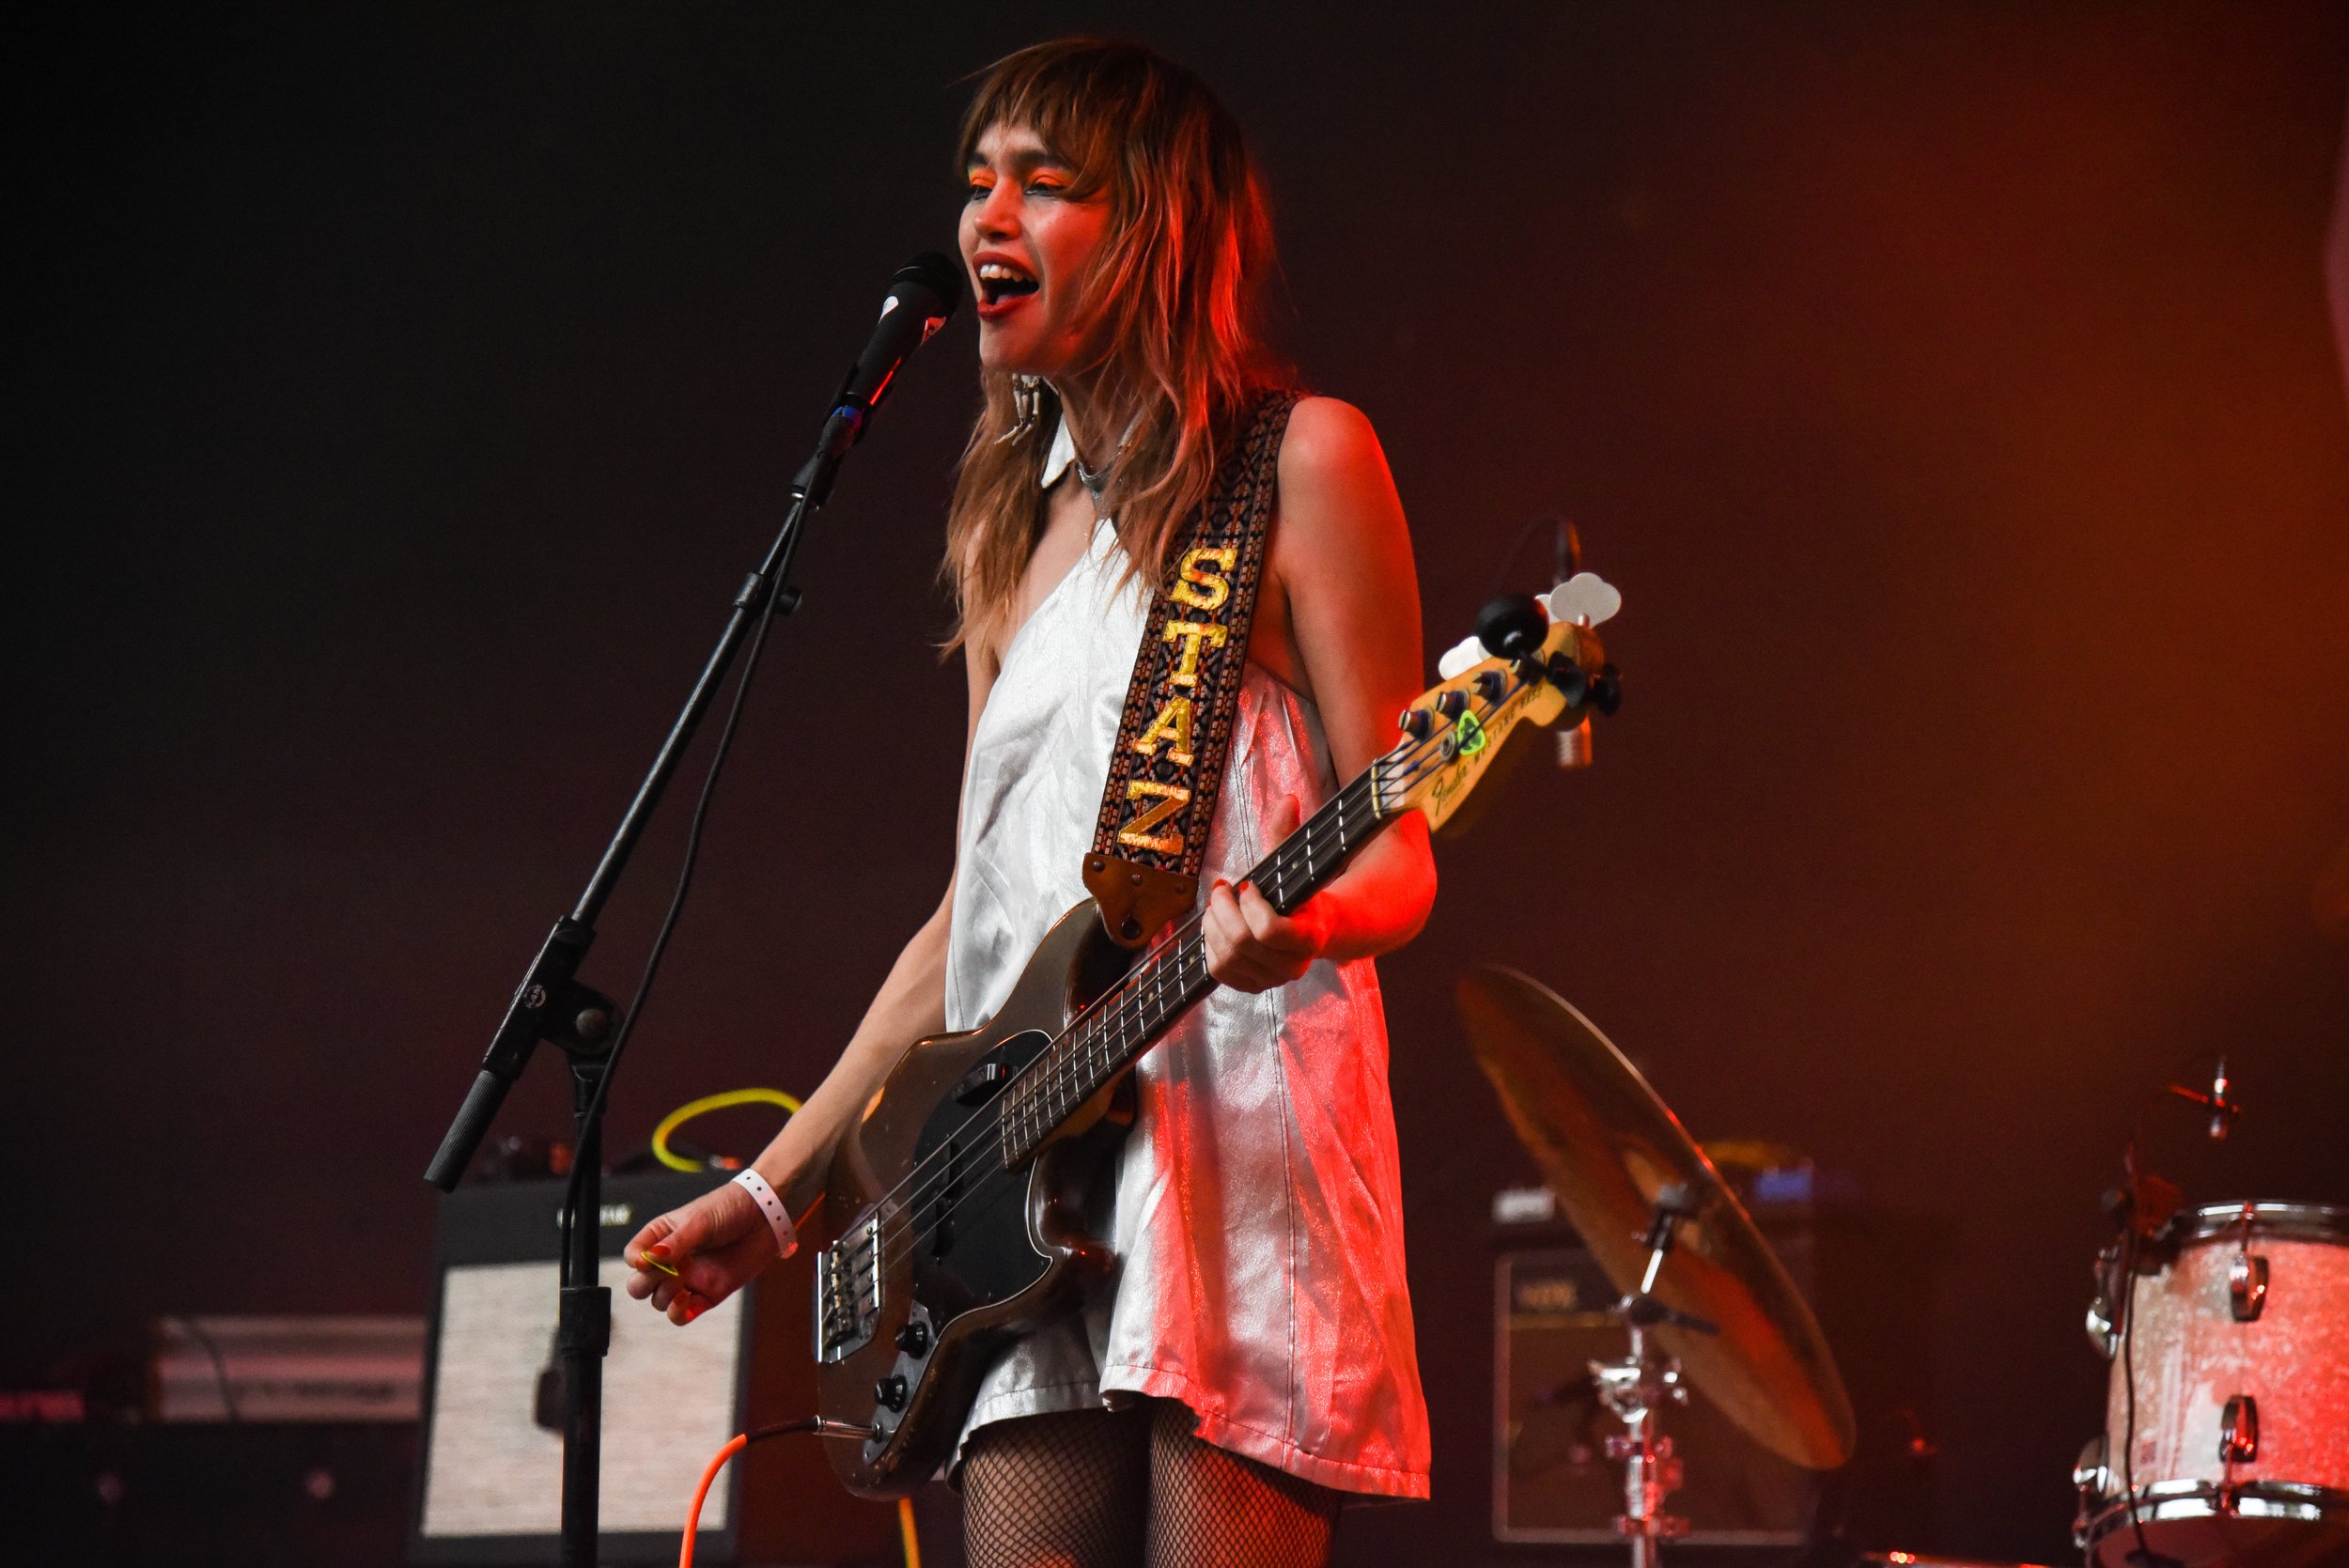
(1251, 947)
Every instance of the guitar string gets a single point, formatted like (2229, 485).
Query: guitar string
(906, 1221)
(1106, 1016)
(1160, 953)
(908, 1226)
(1182, 959)
(1108, 1023)
(1143, 988)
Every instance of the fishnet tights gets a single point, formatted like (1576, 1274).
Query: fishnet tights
(1132, 1487)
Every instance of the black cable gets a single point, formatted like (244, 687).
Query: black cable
(2128, 1377)
(594, 1115)
(1563, 548)
(2144, 1555)
(220, 1365)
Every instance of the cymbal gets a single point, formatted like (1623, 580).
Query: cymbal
(1606, 1144)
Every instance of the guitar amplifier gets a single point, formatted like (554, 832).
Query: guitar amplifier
(489, 1482)
(1552, 1481)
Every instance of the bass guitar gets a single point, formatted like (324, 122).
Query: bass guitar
(977, 1175)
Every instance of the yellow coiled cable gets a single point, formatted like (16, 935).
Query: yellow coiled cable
(703, 1107)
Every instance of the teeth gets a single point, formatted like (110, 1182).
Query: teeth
(997, 271)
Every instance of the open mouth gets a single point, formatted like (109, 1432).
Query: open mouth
(1000, 281)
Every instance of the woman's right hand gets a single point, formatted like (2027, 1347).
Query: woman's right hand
(717, 1244)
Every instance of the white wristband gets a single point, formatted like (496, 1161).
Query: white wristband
(778, 1217)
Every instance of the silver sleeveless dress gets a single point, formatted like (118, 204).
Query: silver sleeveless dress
(1259, 1216)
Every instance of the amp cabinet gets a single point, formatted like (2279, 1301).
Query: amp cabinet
(488, 1484)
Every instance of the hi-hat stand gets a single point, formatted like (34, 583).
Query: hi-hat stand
(1637, 1387)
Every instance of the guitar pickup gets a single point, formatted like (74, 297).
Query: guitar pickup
(983, 1083)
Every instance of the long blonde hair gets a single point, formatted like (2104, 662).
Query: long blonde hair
(1172, 305)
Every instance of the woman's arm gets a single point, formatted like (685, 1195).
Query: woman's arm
(1342, 559)
(910, 1004)
(720, 1241)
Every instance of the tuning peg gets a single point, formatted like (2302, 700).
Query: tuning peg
(1585, 597)
(1607, 690)
(1464, 655)
(1512, 626)
(1568, 676)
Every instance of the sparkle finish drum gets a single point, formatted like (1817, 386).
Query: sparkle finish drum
(2241, 1431)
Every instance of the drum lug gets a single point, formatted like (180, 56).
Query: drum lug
(2247, 1286)
(2239, 1431)
(2089, 1475)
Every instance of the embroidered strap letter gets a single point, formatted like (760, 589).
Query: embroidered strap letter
(1167, 767)
(1137, 834)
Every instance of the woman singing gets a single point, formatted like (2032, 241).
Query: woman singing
(1252, 1361)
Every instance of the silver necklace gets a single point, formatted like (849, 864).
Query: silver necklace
(1093, 480)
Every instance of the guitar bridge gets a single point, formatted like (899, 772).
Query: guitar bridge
(848, 1292)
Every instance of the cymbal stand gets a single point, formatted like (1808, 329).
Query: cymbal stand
(1637, 1387)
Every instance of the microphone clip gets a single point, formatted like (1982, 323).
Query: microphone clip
(2223, 1106)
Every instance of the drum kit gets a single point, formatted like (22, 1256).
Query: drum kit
(2226, 1436)
(2226, 1425)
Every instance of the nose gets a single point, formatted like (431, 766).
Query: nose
(998, 216)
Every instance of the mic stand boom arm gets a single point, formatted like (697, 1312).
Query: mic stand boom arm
(552, 1004)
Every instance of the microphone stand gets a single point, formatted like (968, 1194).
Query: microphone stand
(552, 1004)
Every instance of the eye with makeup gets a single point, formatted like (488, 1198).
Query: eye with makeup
(1049, 185)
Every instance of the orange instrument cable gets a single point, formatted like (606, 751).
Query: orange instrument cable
(907, 1537)
(735, 1445)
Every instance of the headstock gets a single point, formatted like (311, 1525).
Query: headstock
(1531, 662)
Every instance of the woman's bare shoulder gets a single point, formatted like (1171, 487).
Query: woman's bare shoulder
(1335, 489)
(1330, 440)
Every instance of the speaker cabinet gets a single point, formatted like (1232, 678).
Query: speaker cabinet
(490, 1483)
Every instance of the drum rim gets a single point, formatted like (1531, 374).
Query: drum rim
(2290, 1221)
(2294, 1501)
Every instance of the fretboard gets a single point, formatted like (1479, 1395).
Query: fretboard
(1108, 1035)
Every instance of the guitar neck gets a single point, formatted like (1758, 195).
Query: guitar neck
(1111, 1035)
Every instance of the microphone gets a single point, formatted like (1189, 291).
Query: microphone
(922, 298)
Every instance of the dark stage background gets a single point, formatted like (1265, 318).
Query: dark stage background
(1950, 390)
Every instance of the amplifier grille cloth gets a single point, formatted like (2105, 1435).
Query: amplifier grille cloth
(668, 1395)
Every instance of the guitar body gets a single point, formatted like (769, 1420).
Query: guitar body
(972, 1255)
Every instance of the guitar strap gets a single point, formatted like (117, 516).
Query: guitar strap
(1167, 766)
